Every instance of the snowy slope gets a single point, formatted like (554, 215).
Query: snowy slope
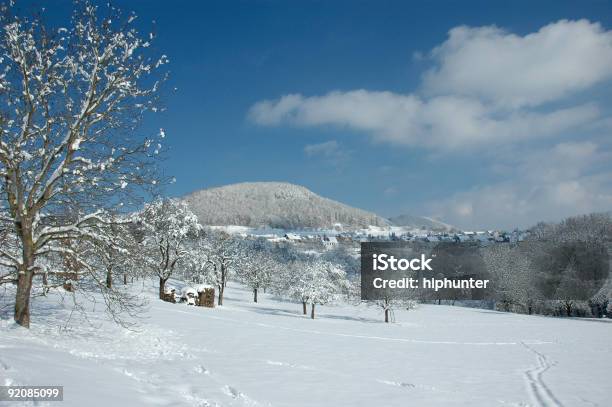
(276, 205)
(267, 354)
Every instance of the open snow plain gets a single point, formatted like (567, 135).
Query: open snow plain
(268, 354)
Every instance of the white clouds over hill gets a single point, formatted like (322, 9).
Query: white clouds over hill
(542, 186)
(528, 103)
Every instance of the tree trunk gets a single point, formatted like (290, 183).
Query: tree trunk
(24, 281)
(45, 283)
(312, 313)
(255, 295)
(222, 285)
(109, 277)
(304, 307)
(124, 278)
(162, 287)
(221, 289)
(22, 299)
(386, 315)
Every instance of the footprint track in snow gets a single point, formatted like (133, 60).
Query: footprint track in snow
(397, 384)
(291, 365)
(235, 394)
(540, 392)
(201, 370)
(408, 385)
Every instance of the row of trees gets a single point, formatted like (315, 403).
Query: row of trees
(552, 273)
(174, 244)
(562, 269)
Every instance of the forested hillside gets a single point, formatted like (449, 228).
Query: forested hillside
(275, 204)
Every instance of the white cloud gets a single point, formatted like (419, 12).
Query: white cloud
(440, 122)
(482, 89)
(514, 71)
(273, 113)
(544, 185)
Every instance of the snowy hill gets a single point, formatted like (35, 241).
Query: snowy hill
(267, 354)
(419, 222)
(277, 205)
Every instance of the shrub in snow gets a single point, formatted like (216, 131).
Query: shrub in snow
(598, 305)
(581, 309)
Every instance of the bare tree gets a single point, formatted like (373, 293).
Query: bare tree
(71, 98)
(257, 267)
(222, 251)
(499, 261)
(123, 257)
(286, 280)
(318, 283)
(169, 227)
(514, 275)
(387, 304)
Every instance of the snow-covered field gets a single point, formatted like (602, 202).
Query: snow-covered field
(268, 354)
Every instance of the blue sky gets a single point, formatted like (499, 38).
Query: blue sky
(484, 127)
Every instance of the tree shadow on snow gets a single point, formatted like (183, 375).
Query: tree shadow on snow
(275, 311)
(298, 314)
(350, 318)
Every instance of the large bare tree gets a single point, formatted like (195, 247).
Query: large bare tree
(70, 101)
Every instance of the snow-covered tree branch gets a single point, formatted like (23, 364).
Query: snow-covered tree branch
(169, 226)
(222, 251)
(71, 99)
(316, 282)
(258, 267)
